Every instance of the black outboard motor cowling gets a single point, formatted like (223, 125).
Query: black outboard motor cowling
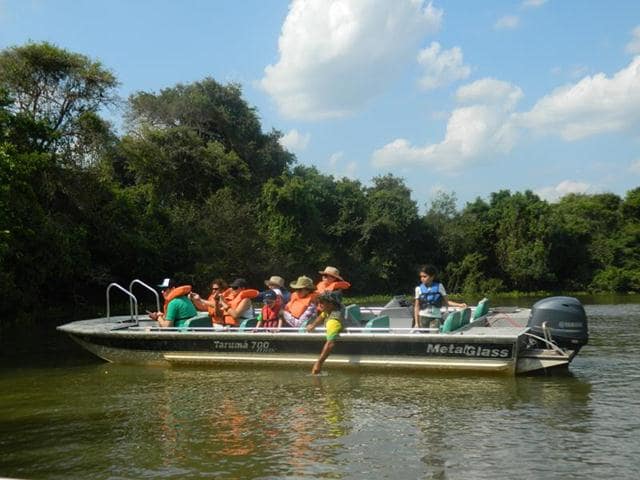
(565, 318)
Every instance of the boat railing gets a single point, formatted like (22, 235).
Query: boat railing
(133, 305)
(153, 290)
(547, 341)
(350, 330)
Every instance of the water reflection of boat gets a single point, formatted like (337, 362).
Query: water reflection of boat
(507, 340)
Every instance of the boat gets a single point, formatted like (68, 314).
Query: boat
(507, 340)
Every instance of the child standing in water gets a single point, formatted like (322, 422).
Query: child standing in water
(333, 315)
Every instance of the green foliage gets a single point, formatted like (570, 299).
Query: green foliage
(51, 92)
(196, 189)
(208, 129)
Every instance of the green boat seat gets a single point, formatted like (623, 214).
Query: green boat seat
(200, 320)
(481, 309)
(466, 317)
(352, 315)
(247, 324)
(377, 322)
(452, 322)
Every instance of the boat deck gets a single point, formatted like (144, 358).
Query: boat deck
(123, 325)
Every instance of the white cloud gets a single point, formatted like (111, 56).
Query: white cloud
(633, 47)
(334, 158)
(553, 194)
(533, 3)
(508, 22)
(596, 104)
(335, 55)
(472, 131)
(295, 141)
(491, 92)
(635, 166)
(441, 67)
(486, 122)
(339, 168)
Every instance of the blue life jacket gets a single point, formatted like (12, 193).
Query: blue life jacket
(430, 296)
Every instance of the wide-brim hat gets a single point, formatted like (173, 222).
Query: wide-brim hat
(275, 280)
(333, 271)
(303, 282)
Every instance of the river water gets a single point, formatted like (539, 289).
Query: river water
(64, 415)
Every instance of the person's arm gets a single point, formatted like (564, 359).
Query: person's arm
(197, 299)
(167, 320)
(239, 310)
(163, 322)
(311, 326)
(451, 303)
(416, 313)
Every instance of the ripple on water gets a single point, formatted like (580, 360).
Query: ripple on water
(107, 421)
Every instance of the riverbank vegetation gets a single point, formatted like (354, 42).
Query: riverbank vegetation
(194, 188)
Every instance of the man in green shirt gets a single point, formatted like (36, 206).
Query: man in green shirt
(178, 307)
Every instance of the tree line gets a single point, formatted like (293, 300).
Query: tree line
(194, 188)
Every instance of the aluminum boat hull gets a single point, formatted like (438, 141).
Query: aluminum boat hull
(476, 348)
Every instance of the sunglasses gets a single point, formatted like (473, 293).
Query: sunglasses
(215, 288)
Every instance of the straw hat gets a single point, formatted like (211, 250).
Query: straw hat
(275, 280)
(303, 282)
(333, 271)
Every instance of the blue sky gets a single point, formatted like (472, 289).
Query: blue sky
(462, 96)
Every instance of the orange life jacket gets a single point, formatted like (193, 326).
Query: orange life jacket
(297, 305)
(175, 293)
(325, 286)
(227, 295)
(235, 301)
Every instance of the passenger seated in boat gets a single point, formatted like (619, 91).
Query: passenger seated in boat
(430, 297)
(302, 306)
(270, 313)
(332, 316)
(219, 289)
(276, 284)
(177, 306)
(332, 281)
(238, 307)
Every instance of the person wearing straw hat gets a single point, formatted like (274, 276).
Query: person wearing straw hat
(276, 284)
(333, 316)
(302, 306)
(331, 281)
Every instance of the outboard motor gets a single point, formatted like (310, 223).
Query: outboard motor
(565, 319)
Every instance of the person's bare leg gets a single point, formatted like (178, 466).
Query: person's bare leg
(326, 350)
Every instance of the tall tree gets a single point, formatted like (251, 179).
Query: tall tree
(55, 95)
(392, 234)
(191, 140)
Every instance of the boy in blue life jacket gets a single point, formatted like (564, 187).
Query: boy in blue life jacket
(430, 297)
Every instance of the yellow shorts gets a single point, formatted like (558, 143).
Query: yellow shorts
(333, 327)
